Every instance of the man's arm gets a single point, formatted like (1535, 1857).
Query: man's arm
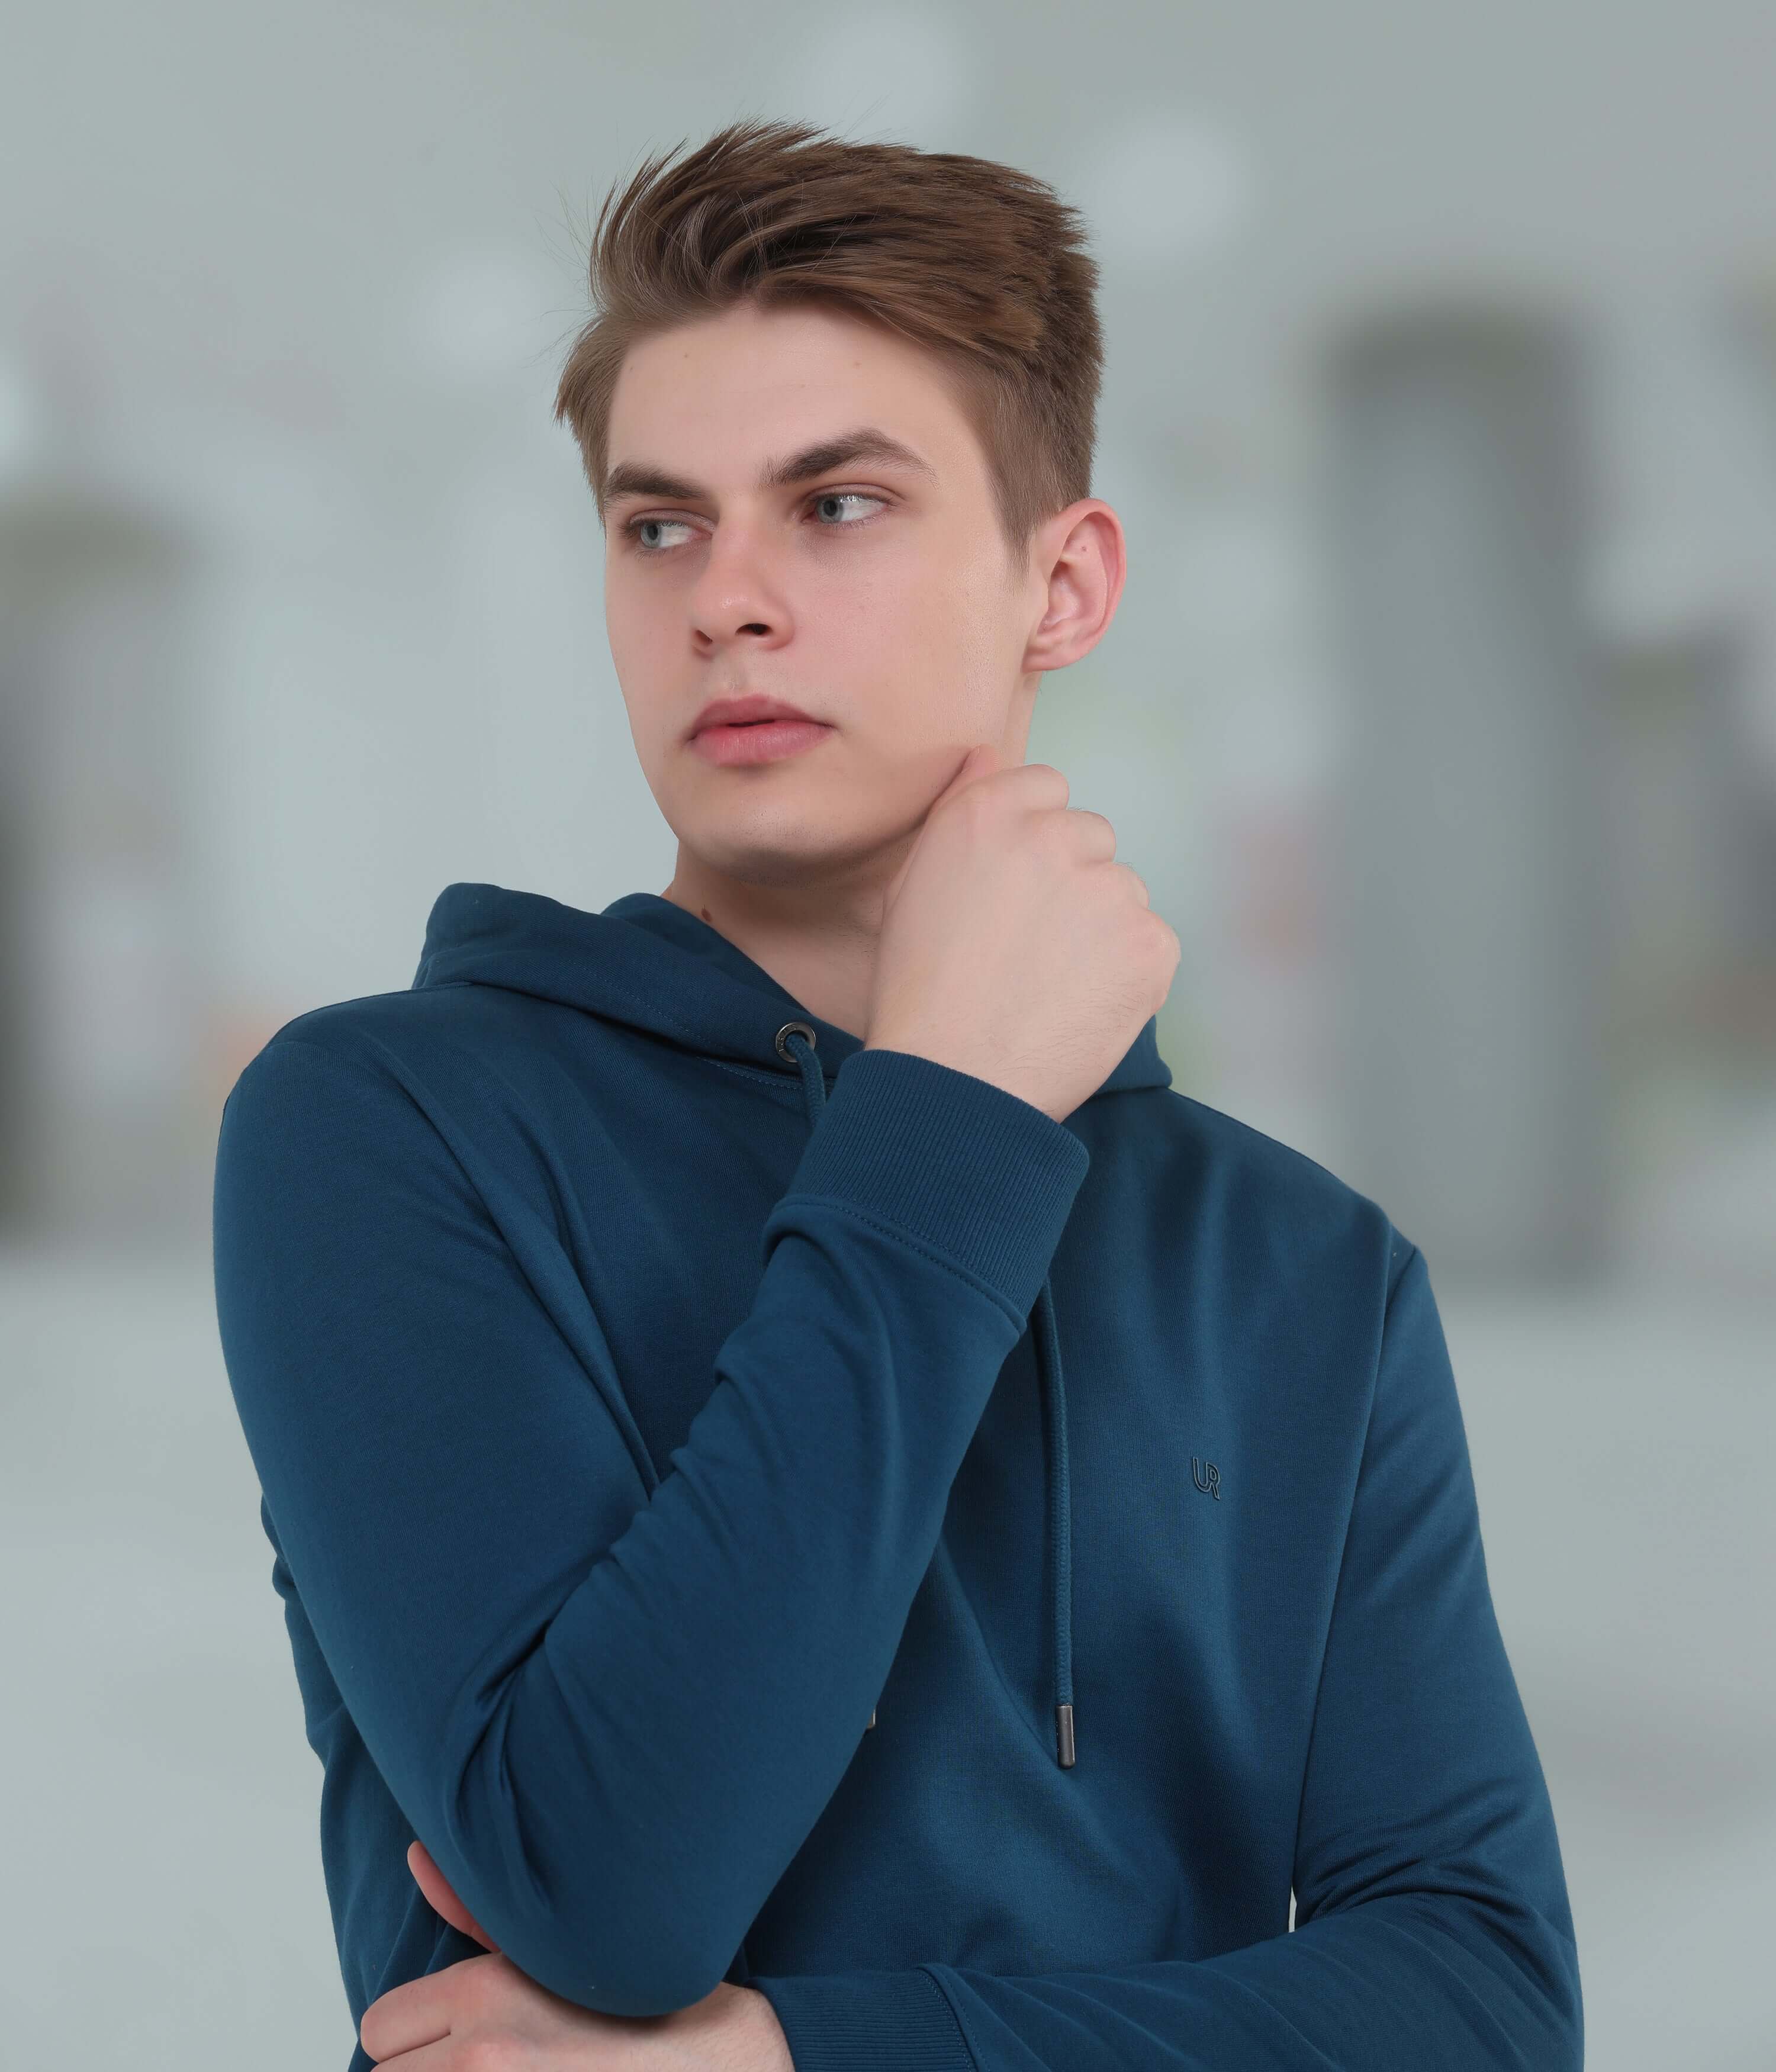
(613, 1706)
(1433, 1928)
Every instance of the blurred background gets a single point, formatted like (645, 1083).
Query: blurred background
(1439, 716)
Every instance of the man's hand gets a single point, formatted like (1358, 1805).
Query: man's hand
(441, 1895)
(515, 2026)
(1013, 947)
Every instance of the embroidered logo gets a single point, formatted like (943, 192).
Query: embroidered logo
(1207, 1476)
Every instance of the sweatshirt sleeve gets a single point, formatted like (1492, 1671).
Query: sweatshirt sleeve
(1432, 1923)
(612, 1706)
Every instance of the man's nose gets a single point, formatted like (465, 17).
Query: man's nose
(738, 594)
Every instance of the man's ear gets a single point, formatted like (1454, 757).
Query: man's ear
(1083, 557)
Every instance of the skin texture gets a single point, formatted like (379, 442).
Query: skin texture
(896, 616)
(881, 599)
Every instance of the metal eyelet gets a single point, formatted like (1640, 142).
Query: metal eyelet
(788, 1027)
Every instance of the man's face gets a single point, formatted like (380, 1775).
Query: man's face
(875, 593)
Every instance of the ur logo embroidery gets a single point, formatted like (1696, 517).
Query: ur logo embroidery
(1207, 1476)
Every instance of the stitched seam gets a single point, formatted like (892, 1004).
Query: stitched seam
(1344, 1546)
(932, 1972)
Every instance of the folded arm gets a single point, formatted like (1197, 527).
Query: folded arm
(612, 1705)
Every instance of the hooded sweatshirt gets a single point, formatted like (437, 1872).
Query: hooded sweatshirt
(761, 1508)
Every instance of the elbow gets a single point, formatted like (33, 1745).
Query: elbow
(1539, 1938)
(618, 1968)
(616, 1939)
(1565, 2003)
(1518, 1968)
(1545, 1958)
(610, 1907)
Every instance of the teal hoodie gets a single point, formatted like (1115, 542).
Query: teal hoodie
(759, 1508)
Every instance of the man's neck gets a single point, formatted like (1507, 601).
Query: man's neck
(818, 943)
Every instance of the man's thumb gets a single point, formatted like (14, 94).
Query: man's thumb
(980, 761)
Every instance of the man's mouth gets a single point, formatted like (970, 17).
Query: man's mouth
(749, 742)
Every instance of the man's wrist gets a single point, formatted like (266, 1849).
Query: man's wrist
(772, 2044)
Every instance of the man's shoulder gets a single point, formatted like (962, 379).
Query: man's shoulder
(388, 1035)
(1265, 1198)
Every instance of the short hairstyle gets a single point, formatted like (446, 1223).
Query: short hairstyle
(981, 264)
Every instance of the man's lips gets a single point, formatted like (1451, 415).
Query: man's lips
(743, 725)
(757, 741)
(753, 707)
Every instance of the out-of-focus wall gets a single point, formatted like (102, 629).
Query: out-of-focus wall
(1439, 716)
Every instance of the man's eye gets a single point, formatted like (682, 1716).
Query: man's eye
(640, 529)
(637, 526)
(846, 497)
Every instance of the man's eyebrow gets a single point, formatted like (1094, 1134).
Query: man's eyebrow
(866, 442)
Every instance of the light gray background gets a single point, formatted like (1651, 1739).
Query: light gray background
(1439, 716)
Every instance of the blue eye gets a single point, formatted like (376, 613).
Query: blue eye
(634, 527)
(634, 530)
(846, 497)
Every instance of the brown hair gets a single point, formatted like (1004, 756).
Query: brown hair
(981, 264)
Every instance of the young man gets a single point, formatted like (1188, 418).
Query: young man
(729, 1642)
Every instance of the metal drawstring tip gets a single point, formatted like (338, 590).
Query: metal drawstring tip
(871, 1721)
(1063, 1735)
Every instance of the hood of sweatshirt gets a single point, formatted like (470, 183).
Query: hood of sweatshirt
(653, 966)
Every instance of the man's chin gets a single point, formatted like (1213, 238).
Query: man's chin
(771, 853)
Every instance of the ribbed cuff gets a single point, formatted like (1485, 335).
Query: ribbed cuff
(985, 1177)
(868, 2022)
